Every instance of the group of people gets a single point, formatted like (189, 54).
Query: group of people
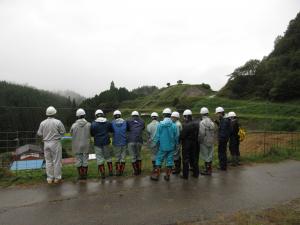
(179, 144)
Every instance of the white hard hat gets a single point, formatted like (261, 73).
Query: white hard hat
(204, 110)
(231, 114)
(167, 111)
(51, 111)
(187, 112)
(80, 112)
(98, 111)
(175, 114)
(219, 110)
(135, 113)
(154, 114)
(117, 112)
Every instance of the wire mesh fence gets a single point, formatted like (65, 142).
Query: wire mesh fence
(21, 152)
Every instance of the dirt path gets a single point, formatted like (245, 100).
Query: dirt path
(140, 201)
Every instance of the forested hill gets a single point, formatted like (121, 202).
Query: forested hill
(276, 77)
(23, 108)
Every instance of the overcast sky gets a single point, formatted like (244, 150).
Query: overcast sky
(84, 45)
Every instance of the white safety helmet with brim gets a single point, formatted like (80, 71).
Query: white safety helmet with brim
(204, 111)
(167, 111)
(135, 113)
(98, 111)
(50, 111)
(117, 112)
(187, 112)
(219, 110)
(80, 112)
(154, 114)
(175, 115)
(231, 114)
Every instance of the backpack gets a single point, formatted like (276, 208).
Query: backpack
(242, 134)
(209, 134)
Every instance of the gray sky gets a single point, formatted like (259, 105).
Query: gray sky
(84, 45)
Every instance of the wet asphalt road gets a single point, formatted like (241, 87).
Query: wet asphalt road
(138, 200)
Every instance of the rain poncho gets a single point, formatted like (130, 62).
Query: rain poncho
(80, 132)
(166, 135)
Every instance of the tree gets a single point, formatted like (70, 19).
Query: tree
(179, 82)
(112, 85)
(168, 84)
(248, 69)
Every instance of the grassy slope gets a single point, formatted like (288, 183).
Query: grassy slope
(254, 115)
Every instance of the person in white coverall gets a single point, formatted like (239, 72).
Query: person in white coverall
(52, 130)
(151, 131)
(175, 116)
(81, 135)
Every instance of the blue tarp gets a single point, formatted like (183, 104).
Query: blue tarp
(27, 164)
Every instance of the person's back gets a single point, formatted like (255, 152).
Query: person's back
(167, 135)
(151, 131)
(189, 131)
(51, 129)
(206, 131)
(224, 128)
(119, 128)
(100, 129)
(80, 132)
(135, 130)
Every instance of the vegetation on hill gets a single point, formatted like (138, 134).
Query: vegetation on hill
(72, 95)
(276, 77)
(23, 107)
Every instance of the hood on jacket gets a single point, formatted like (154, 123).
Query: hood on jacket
(167, 122)
(101, 120)
(119, 122)
(81, 122)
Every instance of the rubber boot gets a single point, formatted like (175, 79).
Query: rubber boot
(135, 168)
(177, 168)
(110, 169)
(205, 172)
(101, 170)
(122, 168)
(118, 169)
(155, 174)
(85, 172)
(139, 167)
(209, 168)
(168, 173)
(79, 169)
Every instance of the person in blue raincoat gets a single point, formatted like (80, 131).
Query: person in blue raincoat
(119, 129)
(166, 138)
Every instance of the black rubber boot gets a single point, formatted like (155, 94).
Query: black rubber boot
(177, 168)
(139, 167)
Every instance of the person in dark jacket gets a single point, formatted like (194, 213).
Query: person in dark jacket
(100, 129)
(190, 146)
(135, 127)
(234, 139)
(119, 128)
(223, 137)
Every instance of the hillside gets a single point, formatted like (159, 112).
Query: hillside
(276, 77)
(72, 95)
(23, 107)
